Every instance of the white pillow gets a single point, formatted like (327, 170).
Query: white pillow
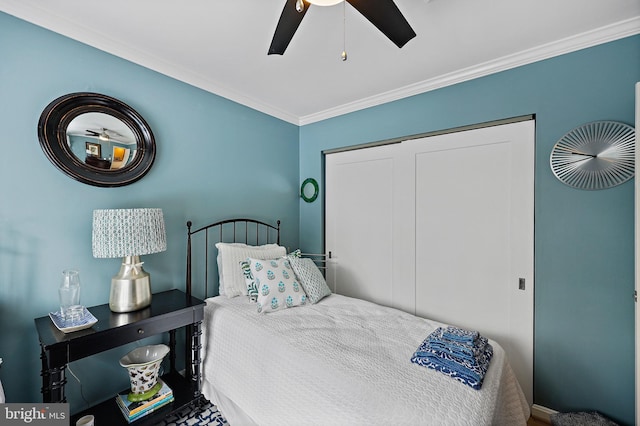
(230, 255)
(220, 286)
(310, 278)
(276, 284)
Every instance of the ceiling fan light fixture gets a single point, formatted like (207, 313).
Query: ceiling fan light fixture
(324, 2)
(383, 14)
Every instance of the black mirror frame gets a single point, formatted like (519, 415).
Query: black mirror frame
(52, 133)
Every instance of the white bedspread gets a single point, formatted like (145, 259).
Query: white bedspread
(342, 361)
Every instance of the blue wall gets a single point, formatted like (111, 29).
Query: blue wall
(215, 159)
(584, 263)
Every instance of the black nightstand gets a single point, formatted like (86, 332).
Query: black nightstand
(169, 311)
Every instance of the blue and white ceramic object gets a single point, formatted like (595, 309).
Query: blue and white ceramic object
(143, 364)
(80, 322)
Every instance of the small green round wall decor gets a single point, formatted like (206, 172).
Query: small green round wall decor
(309, 190)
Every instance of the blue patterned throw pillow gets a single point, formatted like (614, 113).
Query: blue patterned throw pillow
(310, 278)
(273, 284)
(252, 285)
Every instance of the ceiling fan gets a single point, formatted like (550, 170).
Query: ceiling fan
(103, 134)
(384, 14)
(106, 134)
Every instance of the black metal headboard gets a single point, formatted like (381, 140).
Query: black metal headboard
(248, 231)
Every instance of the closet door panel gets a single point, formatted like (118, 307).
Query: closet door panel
(637, 253)
(474, 236)
(462, 243)
(359, 215)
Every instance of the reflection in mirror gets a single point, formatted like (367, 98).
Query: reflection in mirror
(101, 140)
(96, 139)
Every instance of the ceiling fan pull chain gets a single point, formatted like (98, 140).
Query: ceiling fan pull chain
(344, 31)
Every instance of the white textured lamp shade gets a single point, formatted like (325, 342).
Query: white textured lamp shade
(128, 232)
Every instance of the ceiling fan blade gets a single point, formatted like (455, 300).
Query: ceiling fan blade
(113, 133)
(386, 16)
(287, 25)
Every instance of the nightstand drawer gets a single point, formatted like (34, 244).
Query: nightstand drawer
(159, 324)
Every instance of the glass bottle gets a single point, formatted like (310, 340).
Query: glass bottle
(69, 293)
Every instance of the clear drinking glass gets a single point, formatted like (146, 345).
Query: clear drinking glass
(69, 292)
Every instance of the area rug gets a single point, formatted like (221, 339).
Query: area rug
(592, 418)
(201, 414)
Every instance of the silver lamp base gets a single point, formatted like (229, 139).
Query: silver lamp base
(131, 287)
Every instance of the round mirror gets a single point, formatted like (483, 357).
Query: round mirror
(96, 139)
(309, 190)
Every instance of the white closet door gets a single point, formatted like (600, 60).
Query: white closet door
(441, 227)
(359, 222)
(637, 253)
(474, 236)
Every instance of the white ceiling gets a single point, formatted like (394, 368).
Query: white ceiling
(221, 45)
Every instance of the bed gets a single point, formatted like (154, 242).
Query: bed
(338, 361)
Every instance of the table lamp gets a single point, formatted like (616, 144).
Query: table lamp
(128, 233)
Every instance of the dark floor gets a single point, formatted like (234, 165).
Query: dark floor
(535, 422)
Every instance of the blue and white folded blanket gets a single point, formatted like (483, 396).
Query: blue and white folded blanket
(466, 351)
(472, 376)
(465, 362)
(460, 335)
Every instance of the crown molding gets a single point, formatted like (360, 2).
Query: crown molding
(587, 39)
(87, 35)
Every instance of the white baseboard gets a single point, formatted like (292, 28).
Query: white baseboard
(542, 413)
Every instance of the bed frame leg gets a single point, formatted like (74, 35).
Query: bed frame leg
(196, 345)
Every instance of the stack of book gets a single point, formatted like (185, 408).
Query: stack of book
(134, 410)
